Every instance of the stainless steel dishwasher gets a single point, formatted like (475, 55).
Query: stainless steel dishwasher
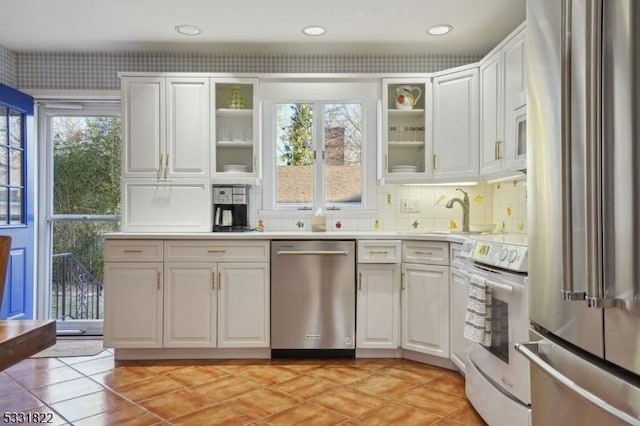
(313, 298)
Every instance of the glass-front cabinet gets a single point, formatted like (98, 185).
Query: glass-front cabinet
(406, 129)
(234, 130)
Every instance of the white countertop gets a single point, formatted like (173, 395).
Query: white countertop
(293, 235)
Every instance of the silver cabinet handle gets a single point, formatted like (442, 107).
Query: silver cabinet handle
(133, 251)
(359, 280)
(531, 352)
(427, 253)
(435, 161)
(159, 280)
(216, 251)
(213, 281)
(219, 280)
(379, 252)
(402, 280)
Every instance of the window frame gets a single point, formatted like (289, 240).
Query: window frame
(320, 92)
(47, 108)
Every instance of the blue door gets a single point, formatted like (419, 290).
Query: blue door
(17, 159)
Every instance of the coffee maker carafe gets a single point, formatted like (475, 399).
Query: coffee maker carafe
(230, 205)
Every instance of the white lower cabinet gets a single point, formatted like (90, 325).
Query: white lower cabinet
(425, 309)
(243, 305)
(378, 306)
(190, 305)
(459, 291)
(183, 295)
(133, 294)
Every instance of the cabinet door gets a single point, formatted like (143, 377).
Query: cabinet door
(378, 306)
(133, 305)
(187, 148)
(515, 99)
(425, 309)
(143, 110)
(406, 118)
(459, 282)
(456, 124)
(149, 206)
(243, 305)
(235, 130)
(491, 114)
(190, 305)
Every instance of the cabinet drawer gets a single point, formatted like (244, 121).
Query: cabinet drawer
(385, 251)
(428, 252)
(133, 251)
(227, 251)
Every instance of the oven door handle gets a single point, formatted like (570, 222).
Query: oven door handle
(499, 286)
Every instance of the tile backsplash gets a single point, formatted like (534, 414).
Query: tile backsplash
(503, 204)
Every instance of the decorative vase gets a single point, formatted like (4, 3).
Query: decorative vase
(237, 100)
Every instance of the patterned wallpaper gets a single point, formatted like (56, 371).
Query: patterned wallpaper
(7, 67)
(98, 70)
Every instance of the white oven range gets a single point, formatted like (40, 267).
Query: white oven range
(497, 377)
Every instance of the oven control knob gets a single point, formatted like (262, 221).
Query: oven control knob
(513, 255)
(503, 254)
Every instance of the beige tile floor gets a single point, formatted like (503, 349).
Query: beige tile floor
(99, 391)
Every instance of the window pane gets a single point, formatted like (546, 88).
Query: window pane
(4, 205)
(15, 179)
(343, 146)
(4, 134)
(4, 165)
(15, 205)
(15, 128)
(294, 156)
(86, 164)
(77, 269)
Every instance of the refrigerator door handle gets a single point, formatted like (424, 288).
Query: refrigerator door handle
(532, 351)
(567, 292)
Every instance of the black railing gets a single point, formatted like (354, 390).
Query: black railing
(75, 292)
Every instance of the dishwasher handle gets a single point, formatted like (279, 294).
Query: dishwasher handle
(320, 252)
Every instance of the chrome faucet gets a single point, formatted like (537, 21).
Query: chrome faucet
(465, 209)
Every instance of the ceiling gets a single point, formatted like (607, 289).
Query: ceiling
(258, 26)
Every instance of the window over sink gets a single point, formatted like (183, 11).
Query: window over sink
(319, 138)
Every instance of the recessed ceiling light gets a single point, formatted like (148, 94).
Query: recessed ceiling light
(437, 30)
(313, 30)
(189, 30)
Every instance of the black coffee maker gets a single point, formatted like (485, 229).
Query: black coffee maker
(230, 208)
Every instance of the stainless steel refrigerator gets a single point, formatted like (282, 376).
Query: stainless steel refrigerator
(583, 138)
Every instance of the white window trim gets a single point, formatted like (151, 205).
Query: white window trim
(315, 91)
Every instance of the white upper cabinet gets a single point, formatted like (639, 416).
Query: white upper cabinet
(143, 111)
(491, 114)
(166, 127)
(456, 124)
(515, 100)
(187, 150)
(235, 130)
(406, 124)
(503, 144)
